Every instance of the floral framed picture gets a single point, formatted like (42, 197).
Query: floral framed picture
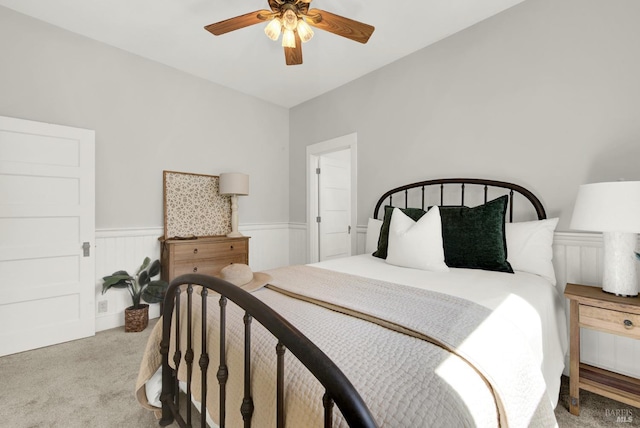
(193, 206)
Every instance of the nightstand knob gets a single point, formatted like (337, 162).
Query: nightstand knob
(628, 324)
(195, 269)
(195, 251)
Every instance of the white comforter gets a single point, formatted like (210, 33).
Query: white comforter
(529, 302)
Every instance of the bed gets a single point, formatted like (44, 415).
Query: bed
(473, 336)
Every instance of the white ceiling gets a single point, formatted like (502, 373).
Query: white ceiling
(171, 32)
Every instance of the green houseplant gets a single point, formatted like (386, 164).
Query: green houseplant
(140, 287)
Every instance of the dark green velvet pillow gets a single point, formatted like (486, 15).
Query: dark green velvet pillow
(474, 237)
(383, 241)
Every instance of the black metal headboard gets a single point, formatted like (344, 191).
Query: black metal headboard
(425, 192)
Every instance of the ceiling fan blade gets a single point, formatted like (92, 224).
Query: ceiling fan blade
(293, 56)
(340, 25)
(238, 22)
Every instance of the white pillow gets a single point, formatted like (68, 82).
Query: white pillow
(530, 247)
(373, 235)
(416, 244)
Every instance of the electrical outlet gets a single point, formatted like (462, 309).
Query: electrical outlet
(103, 306)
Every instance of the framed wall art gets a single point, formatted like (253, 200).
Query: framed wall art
(193, 206)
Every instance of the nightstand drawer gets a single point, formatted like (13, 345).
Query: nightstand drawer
(611, 321)
(208, 250)
(206, 266)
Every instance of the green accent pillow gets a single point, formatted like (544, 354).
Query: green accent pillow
(383, 241)
(474, 238)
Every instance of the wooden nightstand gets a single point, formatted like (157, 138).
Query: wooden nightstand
(206, 255)
(593, 308)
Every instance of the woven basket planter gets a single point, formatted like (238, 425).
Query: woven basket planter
(136, 320)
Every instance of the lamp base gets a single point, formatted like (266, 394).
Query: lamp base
(620, 295)
(234, 218)
(620, 275)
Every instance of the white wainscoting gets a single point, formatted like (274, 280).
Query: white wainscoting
(298, 251)
(116, 249)
(361, 238)
(269, 245)
(578, 259)
(122, 249)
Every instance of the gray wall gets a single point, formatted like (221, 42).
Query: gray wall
(147, 117)
(545, 94)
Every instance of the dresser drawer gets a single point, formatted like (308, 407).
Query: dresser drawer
(206, 266)
(206, 255)
(611, 321)
(207, 250)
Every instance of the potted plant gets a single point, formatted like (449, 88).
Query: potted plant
(140, 286)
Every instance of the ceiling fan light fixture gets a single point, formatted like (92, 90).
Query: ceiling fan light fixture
(304, 31)
(273, 29)
(288, 39)
(292, 19)
(289, 20)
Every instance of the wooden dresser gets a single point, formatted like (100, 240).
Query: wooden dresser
(205, 255)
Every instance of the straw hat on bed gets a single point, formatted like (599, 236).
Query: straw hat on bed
(241, 275)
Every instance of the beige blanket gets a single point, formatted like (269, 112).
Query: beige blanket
(427, 359)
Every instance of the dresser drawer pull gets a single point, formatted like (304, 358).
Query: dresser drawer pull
(195, 269)
(628, 324)
(231, 246)
(195, 251)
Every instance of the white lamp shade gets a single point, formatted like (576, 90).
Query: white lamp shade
(234, 183)
(608, 207)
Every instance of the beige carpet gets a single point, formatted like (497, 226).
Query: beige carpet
(89, 383)
(595, 411)
(85, 383)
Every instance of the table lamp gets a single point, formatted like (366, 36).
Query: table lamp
(234, 184)
(614, 209)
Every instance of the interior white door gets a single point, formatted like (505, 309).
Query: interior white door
(47, 213)
(334, 190)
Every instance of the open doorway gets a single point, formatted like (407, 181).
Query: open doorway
(332, 200)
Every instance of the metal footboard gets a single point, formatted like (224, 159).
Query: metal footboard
(338, 389)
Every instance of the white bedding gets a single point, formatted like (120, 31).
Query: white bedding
(529, 302)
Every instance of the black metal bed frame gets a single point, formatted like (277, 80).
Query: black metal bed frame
(462, 182)
(338, 389)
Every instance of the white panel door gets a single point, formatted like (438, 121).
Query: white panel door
(47, 212)
(334, 191)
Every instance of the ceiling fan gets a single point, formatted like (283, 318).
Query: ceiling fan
(293, 18)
